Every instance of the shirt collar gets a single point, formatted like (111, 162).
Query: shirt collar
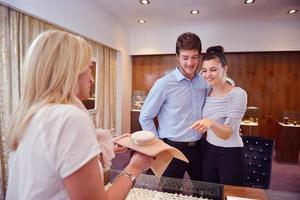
(180, 76)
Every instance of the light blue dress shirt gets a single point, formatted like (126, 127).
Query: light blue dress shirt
(177, 102)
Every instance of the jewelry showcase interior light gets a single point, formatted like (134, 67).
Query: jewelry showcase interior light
(292, 11)
(249, 1)
(141, 21)
(195, 12)
(144, 2)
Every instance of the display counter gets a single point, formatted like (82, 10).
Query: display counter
(154, 188)
(288, 137)
(166, 187)
(288, 143)
(134, 121)
(250, 121)
(171, 188)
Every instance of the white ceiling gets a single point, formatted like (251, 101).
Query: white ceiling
(161, 13)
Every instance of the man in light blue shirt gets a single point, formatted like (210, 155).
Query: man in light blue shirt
(177, 100)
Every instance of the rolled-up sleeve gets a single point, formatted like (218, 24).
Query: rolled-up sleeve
(237, 105)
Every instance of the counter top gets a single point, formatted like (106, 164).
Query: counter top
(213, 190)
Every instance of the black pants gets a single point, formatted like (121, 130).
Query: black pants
(194, 153)
(223, 165)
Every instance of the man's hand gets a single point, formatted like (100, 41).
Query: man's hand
(202, 125)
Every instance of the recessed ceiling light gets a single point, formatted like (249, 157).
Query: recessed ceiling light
(249, 1)
(292, 11)
(195, 12)
(141, 21)
(145, 2)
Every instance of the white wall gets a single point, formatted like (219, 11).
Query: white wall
(235, 37)
(88, 19)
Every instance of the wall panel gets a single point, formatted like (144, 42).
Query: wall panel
(271, 79)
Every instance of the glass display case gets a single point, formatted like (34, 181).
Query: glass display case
(250, 121)
(288, 137)
(290, 118)
(152, 187)
(138, 98)
(137, 101)
(251, 116)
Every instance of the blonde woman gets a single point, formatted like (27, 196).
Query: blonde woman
(54, 150)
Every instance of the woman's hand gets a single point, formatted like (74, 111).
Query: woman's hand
(202, 125)
(139, 163)
(119, 149)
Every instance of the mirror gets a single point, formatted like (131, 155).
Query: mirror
(90, 103)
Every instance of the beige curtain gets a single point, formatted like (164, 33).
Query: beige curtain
(107, 90)
(17, 30)
(105, 116)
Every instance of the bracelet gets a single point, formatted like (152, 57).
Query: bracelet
(130, 176)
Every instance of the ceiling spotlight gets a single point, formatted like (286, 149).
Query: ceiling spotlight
(141, 21)
(145, 2)
(195, 12)
(249, 1)
(292, 11)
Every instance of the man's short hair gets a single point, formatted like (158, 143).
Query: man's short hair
(188, 41)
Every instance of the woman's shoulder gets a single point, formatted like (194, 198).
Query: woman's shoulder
(64, 111)
(237, 94)
(237, 91)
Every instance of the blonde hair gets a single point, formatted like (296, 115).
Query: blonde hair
(53, 64)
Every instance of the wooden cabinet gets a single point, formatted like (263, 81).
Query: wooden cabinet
(135, 124)
(288, 143)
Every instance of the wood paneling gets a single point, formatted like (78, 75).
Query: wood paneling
(147, 69)
(271, 79)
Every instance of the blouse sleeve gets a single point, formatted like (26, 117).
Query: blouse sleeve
(236, 108)
(74, 142)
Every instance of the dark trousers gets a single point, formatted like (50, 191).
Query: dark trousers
(223, 165)
(194, 153)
